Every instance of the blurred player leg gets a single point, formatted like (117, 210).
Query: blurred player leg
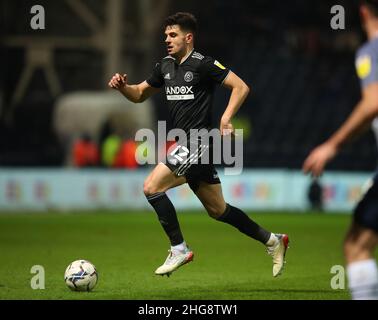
(361, 266)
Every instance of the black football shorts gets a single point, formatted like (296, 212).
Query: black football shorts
(366, 212)
(195, 163)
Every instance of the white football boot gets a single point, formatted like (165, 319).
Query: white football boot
(175, 260)
(278, 251)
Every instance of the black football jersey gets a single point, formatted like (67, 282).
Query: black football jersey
(189, 88)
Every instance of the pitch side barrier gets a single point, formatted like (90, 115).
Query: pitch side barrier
(67, 189)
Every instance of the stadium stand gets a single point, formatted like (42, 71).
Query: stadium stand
(299, 70)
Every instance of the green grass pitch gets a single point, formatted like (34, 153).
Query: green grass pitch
(127, 247)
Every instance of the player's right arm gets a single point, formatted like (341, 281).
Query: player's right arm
(356, 124)
(136, 93)
(359, 120)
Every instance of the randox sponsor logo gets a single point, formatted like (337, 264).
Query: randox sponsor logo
(179, 90)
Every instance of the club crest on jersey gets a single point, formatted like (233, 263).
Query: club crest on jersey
(188, 76)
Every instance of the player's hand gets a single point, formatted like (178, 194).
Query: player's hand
(118, 81)
(318, 159)
(226, 127)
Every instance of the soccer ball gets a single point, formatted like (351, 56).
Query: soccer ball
(81, 275)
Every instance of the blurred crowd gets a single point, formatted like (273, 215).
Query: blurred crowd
(113, 152)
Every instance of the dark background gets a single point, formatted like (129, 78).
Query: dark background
(301, 73)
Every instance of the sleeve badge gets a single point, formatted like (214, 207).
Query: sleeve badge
(219, 65)
(363, 66)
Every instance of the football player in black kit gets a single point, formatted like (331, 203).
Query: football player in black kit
(189, 79)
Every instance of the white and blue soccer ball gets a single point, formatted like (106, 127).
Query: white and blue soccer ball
(81, 275)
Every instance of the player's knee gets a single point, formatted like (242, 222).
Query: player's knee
(348, 249)
(354, 251)
(214, 211)
(149, 188)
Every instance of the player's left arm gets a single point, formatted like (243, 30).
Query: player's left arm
(239, 92)
(358, 122)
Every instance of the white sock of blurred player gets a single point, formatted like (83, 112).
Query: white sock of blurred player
(363, 279)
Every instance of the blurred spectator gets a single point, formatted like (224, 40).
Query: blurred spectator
(315, 195)
(110, 148)
(125, 157)
(85, 152)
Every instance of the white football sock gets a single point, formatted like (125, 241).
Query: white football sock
(272, 240)
(180, 247)
(363, 280)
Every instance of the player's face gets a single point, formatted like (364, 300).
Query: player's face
(364, 13)
(176, 40)
(367, 17)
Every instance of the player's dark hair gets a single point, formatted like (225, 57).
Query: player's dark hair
(372, 6)
(185, 20)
